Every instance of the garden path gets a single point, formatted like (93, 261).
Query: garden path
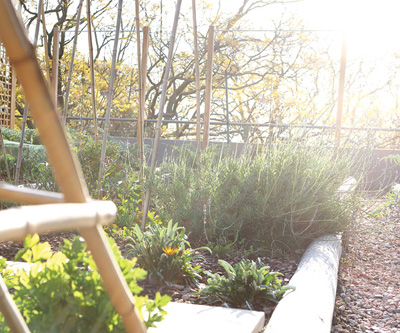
(368, 295)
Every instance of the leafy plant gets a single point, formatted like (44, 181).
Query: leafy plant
(63, 292)
(245, 286)
(165, 253)
(276, 198)
(389, 207)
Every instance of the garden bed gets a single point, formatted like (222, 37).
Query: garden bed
(286, 265)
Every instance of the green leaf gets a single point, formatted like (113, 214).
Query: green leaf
(41, 251)
(228, 268)
(31, 240)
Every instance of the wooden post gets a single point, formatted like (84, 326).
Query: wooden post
(140, 117)
(54, 71)
(10, 311)
(109, 97)
(25, 114)
(13, 97)
(46, 50)
(197, 79)
(339, 115)
(139, 134)
(4, 154)
(142, 108)
(207, 111)
(71, 66)
(28, 196)
(92, 78)
(67, 172)
(161, 108)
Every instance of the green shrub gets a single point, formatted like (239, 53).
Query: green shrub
(120, 169)
(11, 134)
(246, 286)
(281, 197)
(165, 253)
(63, 292)
(31, 135)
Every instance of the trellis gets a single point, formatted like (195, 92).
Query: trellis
(6, 90)
(56, 211)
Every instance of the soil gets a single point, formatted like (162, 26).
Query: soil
(368, 294)
(180, 293)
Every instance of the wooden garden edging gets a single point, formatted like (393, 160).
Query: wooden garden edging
(309, 307)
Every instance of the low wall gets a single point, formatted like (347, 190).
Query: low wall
(380, 173)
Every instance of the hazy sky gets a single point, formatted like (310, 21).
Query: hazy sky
(372, 26)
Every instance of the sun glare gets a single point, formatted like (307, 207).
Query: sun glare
(371, 26)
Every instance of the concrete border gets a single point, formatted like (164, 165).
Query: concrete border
(195, 318)
(309, 308)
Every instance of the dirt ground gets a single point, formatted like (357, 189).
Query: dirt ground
(368, 294)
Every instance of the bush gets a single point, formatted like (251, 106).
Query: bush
(282, 197)
(31, 135)
(121, 163)
(246, 286)
(165, 253)
(63, 292)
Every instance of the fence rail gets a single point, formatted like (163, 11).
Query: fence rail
(230, 123)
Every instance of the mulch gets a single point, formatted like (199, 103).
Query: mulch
(179, 293)
(368, 294)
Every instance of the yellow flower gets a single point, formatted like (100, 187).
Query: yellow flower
(169, 250)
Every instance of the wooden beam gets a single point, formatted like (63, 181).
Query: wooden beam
(92, 78)
(197, 79)
(208, 93)
(161, 107)
(342, 78)
(139, 134)
(71, 65)
(10, 311)
(145, 53)
(46, 50)
(54, 71)
(13, 97)
(27, 220)
(28, 196)
(109, 98)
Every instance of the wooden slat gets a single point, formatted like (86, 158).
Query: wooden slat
(27, 220)
(10, 311)
(197, 79)
(92, 79)
(208, 93)
(157, 135)
(28, 196)
(71, 65)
